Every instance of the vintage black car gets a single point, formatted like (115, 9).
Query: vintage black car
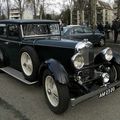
(32, 51)
(77, 32)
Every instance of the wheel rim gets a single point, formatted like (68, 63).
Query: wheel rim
(51, 91)
(102, 42)
(26, 63)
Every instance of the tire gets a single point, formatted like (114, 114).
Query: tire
(58, 97)
(101, 42)
(117, 70)
(113, 73)
(29, 63)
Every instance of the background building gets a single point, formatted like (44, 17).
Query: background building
(104, 12)
(15, 14)
(116, 8)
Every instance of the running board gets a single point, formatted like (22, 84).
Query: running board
(16, 74)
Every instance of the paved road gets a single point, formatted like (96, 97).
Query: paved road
(22, 102)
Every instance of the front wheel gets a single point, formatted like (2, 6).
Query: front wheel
(57, 95)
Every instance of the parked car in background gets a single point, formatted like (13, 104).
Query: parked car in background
(32, 51)
(77, 32)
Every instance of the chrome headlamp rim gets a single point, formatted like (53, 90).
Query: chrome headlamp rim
(82, 61)
(108, 54)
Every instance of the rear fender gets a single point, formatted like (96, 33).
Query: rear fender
(116, 58)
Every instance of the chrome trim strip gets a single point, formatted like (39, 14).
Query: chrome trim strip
(21, 28)
(10, 41)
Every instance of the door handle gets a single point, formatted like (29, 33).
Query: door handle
(6, 43)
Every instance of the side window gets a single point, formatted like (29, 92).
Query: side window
(3, 30)
(35, 29)
(77, 30)
(87, 30)
(71, 31)
(13, 31)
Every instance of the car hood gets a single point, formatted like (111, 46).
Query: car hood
(63, 43)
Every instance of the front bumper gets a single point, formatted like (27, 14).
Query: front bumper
(75, 101)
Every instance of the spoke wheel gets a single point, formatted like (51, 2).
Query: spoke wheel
(26, 63)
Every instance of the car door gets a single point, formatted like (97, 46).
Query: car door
(92, 37)
(13, 44)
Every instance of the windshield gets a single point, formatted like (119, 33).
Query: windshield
(40, 30)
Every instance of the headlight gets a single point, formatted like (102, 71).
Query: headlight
(108, 54)
(78, 61)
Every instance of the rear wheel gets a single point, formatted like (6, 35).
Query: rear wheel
(29, 63)
(57, 95)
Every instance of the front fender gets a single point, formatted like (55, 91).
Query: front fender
(57, 70)
(99, 58)
(116, 58)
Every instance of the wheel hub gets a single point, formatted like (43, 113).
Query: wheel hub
(49, 92)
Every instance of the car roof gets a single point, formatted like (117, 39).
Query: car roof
(71, 26)
(28, 21)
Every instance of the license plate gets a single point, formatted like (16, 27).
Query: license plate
(106, 92)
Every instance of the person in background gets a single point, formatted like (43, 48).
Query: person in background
(107, 30)
(100, 27)
(116, 28)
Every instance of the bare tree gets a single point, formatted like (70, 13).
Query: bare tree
(118, 12)
(8, 8)
(80, 7)
(38, 8)
(20, 4)
(42, 9)
(71, 7)
(93, 15)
